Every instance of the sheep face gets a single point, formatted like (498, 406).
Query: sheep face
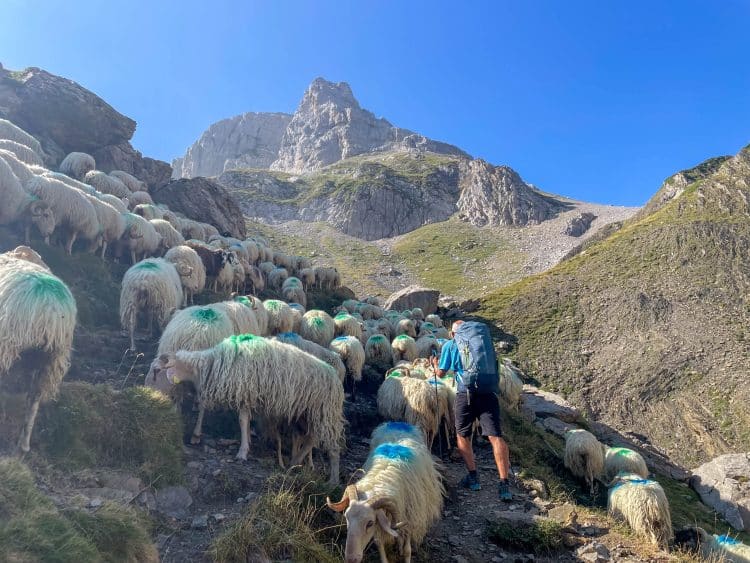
(166, 373)
(361, 520)
(42, 218)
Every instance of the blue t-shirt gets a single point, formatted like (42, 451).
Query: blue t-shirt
(450, 360)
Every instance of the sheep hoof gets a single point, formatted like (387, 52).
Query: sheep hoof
(195, 440)
(241, 455)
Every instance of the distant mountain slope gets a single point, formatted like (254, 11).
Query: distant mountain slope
(648, 328)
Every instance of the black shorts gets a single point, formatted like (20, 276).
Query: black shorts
(482, 406)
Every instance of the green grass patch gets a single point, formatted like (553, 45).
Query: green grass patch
(543, 537)
(288, 521)
(137, 429)
(33, 529)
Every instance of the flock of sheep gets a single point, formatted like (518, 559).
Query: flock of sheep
(274, 361)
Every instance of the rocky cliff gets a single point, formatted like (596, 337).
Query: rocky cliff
(250, 140)
(66, 117)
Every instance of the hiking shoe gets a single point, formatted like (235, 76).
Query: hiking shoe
(470, 482)
(503, 491)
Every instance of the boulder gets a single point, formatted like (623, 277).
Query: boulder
(203, 200)
(173, 501)
(414, 296)
(724, 484)
(579, 224)
(538, 404)
(124, 157)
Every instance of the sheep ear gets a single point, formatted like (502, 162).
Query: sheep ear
(385, 523)
(172, 376)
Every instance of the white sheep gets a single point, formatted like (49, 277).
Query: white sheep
(267, 268)
(280, 316)
(378, 352)
(724, 548)
(404, 348)
(353, 354)
(193, 282)
(238, 272)
(347, 325)
(293, 292)
(111, 221)
(38, 316)
(623, 460)
(307, 275)
(427, 346)
(151, 287)
(254, 375)
(140, 237)
(72, 210)
(195, 328)
(130, 181)
(192, 229)
(146, 210)
(436, 321)
(261, 314)
(170, 237)
(114, 201)
(643, 505)
(18, 206)
(21, 170)
(322, 353)
(417, 314)
(12, 132)
(170, 216)
(298, 311)
(255, 279)
(412, 400)
(394, 430)
(77, 165)
(106, 184)
(510, 384)
(24, 153)
(397, 500)
(276, 278)
(584, 456)
(240, 312)
(143, 198)
(251, 249)
(327, 277)
(317, 326)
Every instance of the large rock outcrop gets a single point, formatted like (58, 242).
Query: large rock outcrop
(203, 200)
(67, 117)
(724, 485)
(414, 296)
(250, 140)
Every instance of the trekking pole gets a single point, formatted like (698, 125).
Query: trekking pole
(437, 404)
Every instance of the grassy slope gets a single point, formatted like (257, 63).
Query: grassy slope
(648, 327)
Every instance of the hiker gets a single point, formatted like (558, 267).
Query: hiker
(471, 356)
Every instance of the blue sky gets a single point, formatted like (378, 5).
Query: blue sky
(596, 100)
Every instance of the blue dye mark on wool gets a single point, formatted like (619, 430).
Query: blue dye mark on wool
(727, 540)
(340, 338)
(394, 452)
(401, 427)
(289, 335)
(435, 382)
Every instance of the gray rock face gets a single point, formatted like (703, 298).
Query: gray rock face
(496, 195)
(124, 157)
(414, 296)
(250, 140)
(330, 125)
(579, 224)
(724, 484)
(539, 405)
(173, 501)
(203, 200)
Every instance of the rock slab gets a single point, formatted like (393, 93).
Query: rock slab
(173, 501)
(724, 484)
(203, 200)
(414, 296)
(538, 404)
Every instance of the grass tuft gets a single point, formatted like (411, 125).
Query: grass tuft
(543, 537)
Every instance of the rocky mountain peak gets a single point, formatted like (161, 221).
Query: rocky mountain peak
(322, 91)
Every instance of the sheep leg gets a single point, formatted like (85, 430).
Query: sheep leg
(24, 443)
(305, 448)
(197, 431)
(132, 257)
(69, 245)
(104, 248)
(27, 234)
(244, 434)
(278, 451)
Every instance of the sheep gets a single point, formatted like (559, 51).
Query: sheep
(261, 314)
(326, 277)
(303, 263)
(153, 287)
(170, 216)
(426, 329)
(276, 278)
(378, 352)
(292, 291)
(22, 171)
(146, 210)
(195, 328)
(192, 229)
(399, 497)
(510, 384)
(267, 268)
(298, 312)
(713, 547)
(584, 456)
(412, 400)
(106, 184)
(623, 460)
(436, 321)
(393, 431)
(307, 275)
(280, 382)
(283, 260)
(130, 181)
(70, 207)
(280, 316)
(23, 152)
(12, 132)
(215, 261)
(255, 279)
(643, 505)
(77, 165)
(143, 198)
(170, 237)
(404, 348)
(406, 326)
(111, 221)
(427, 346)
(18, 206)
(417, 314)
(114, 201)
(140, 237)
(240, 312)
(347, 325)
(353, 354)
(441, 333)
(350, 305)
(322, 353)
(251, 249)
(318, 327)
(38, 316)
(195, 280)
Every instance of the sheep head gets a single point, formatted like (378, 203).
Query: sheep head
(166, 372)
(42, 217)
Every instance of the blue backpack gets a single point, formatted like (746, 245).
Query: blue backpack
(478, 357)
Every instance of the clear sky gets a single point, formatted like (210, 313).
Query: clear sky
(597, 100)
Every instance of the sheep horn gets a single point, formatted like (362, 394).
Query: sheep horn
(387, 504)
(349, 493)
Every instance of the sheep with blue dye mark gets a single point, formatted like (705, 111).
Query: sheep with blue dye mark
(12, 132)
(38, 317)
(404, 349)
(151, 288)
(261, 377)
(623, 460)
(412, 400)
(280, 316)
(393, 431)
(397, 500)
(191, 269)
(317, 326)
(347, 325)
(643, 505)
(584, 456)
(353, 354)
(22, 208)
(298, 311)
(378, 352)
(77, 165)
(720, 548)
